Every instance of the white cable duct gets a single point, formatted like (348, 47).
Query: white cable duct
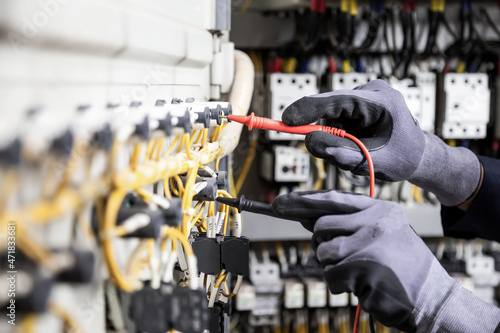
(240, 99)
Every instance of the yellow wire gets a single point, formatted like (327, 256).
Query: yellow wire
(182, 143)
(188, 147)
(216, 133)
(114, 156)
(68, 320)
(211, 209)
(180, 185)
(320, 166)
(174, 190)
(257, 63)
(187, 197)
(148, 148)
(134, 160)
(171, 148)
(160, 148)
(199, 207)
(442, 5)
(27, 325)
(78, 153)
(176, 234)
(114, 202)
(151, 152)
(196, 136)
(222, 278)
(245, 7)
(204, 137)
(146, 195)
(166, 189)
(232, 187)
(50, 178)
(151, 248)
(353, 10)
(246, 167)
(33, 250)
(217, 161)
(346, 66)
(227, 195)
(323, 328)
(212, 137)
(224, 228)
(132, 268)
(9, 186)
(164, 243)
(344, 6)
(417, 194)
(154, 152)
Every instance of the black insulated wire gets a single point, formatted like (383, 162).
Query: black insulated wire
(371, 323)
(433, 30)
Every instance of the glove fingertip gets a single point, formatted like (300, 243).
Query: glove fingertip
(280, 204)
(291, 115)
(317, 143)
(303, 111)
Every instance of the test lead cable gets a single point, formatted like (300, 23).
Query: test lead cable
(253, 121)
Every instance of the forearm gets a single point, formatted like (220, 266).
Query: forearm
(452, 174)
(448, 307)
(483, 212)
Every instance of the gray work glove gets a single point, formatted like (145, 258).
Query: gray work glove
(367, 247)
(378, 116)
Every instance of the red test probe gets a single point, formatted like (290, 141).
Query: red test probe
(275, 125)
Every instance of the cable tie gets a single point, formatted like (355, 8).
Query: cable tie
(190, 211)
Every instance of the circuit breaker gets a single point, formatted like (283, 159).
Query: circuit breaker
(466, 101)
(286, 164)
(284, 90)
(349, 81)
(420, 97)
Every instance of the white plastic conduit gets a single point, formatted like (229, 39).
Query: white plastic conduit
(240, 99)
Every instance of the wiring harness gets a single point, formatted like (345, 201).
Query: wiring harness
(148, 177)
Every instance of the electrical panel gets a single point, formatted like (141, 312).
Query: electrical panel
(466, 105)
(286, 164)
(115, 145)
(284, 89)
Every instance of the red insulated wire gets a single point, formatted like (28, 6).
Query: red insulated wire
(356, 319)
(314, 5)
(368, 160)
(413, 4)
(407, 6)
(331, 65)
(318, 6)
(276, 125)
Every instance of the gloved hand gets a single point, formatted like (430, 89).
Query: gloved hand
(367, 247)
(378, 116)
